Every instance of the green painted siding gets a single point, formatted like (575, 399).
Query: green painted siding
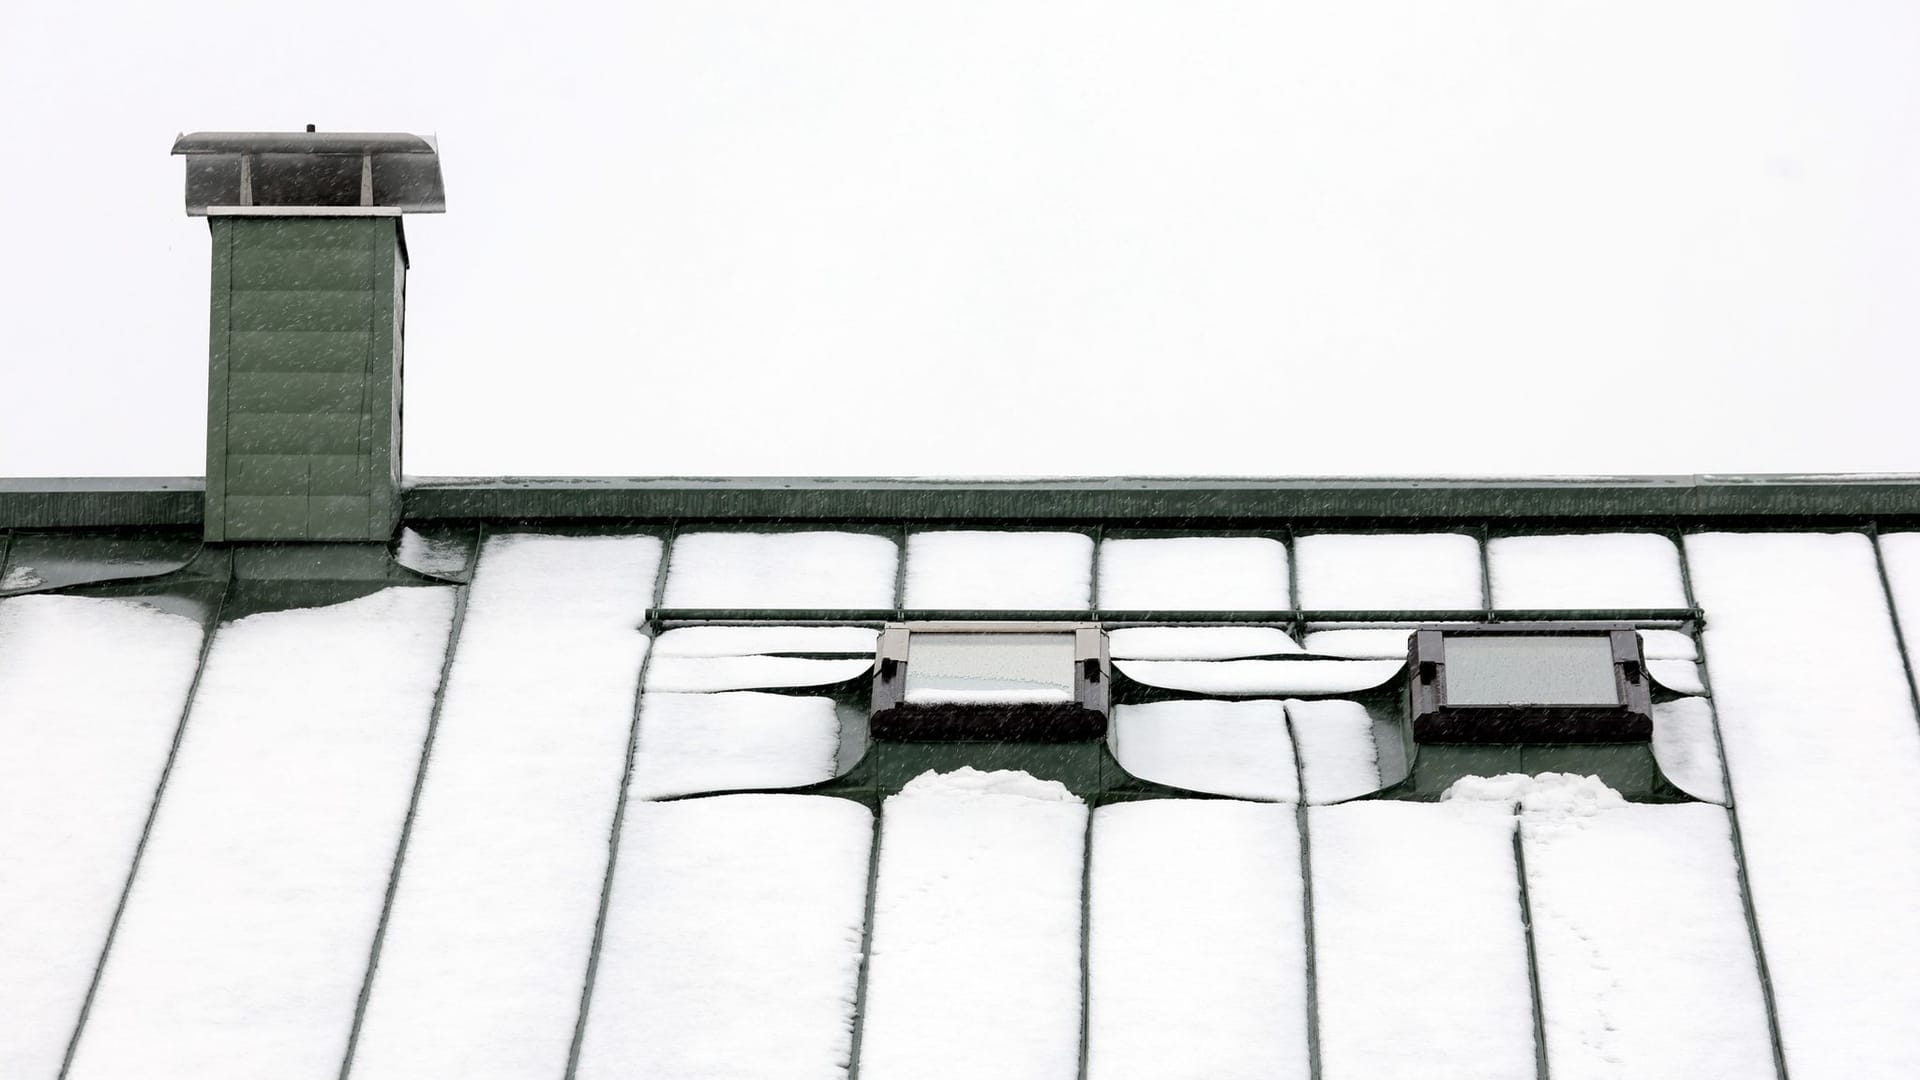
(303, 432)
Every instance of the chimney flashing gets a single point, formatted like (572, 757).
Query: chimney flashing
(302, 211)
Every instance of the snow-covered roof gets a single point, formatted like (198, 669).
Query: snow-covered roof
(558, 797)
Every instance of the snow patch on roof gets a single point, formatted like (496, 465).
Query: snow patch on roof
(1550, 792)
(1261, 677)
(802, 570)
(1047, 571)
(1199, 642)
(1194, 573)
(1389, 572)
(1238, 748)
(967, 782)
(1607, 570)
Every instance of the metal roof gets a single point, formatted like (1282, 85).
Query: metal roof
(605, 711)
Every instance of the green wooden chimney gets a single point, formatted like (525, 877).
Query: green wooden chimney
(308, 320)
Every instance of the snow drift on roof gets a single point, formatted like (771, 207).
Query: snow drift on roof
(965, 569)
(1238, 748)
(1610, 570)
(794, 570)
(691, 743)
(1389, 572)
(1194, 573)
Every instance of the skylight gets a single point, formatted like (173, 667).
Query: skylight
(990, 668)
(1533, 669)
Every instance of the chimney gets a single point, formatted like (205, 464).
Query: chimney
(309, 287)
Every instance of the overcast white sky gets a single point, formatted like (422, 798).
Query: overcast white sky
(1029, 237)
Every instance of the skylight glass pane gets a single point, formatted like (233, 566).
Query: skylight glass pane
(1530, 669)
(990, 668)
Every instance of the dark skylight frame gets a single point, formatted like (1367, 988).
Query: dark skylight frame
(895, 715)
(1536, 682)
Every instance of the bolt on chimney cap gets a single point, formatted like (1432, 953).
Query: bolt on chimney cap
(283, 172)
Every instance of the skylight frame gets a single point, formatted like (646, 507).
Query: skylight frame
(893, 716)
(1436, 719)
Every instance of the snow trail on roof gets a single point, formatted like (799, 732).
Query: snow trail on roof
(1646, 967)
(793, 570)
(487, 942)
(1194, 573)
(1199, 642)
(691, 743)
(763, 640)
(1683, 745)
(246, 936)
(1197, 942)
(695, 674)
(1249, 677)
(963, 569)
(1823, 753)
(1338, 757)
(1237, 748)
(1605, 570)
(975, 967)
(732, 941)
(1389, 572)
(1420, 957)
(90, 695)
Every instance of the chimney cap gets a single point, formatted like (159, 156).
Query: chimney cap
(311, 172)
(301, 142)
